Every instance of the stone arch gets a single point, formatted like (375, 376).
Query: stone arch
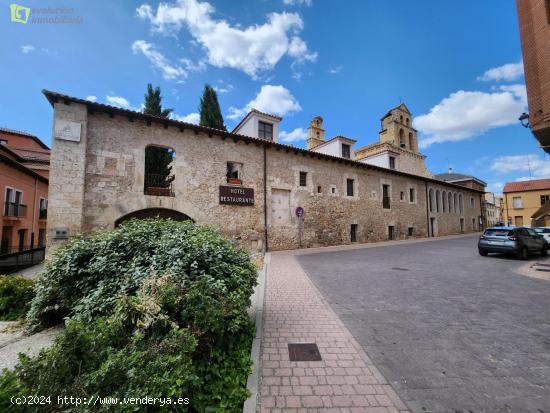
(154, 213)
(444, 201)
(437, 200)
(455, 202)
(431, 199)
(450, 203)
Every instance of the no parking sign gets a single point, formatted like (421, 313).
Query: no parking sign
(299, 212)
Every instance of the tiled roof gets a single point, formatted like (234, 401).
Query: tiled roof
(532, 185)
(454, 177)
(21, 133)
(30, 155)
(542, 211)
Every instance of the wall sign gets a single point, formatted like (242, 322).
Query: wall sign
(231, 195)
(299, 212)
(67, 130)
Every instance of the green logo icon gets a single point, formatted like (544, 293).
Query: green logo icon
(19, 14)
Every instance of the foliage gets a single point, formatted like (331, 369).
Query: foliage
(155, 308)
(209, 109)
(158, 163)
(16, 294)
(153, 103)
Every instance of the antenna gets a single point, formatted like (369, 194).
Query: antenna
(529, 166)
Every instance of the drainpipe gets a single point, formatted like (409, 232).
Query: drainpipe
(266, 247)
(427, 209)
(33, 211)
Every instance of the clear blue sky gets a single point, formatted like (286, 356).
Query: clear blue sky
(347, 61)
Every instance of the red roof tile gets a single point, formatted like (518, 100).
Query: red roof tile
(533, 185)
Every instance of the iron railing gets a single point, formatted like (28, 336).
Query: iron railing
(386, 202)
(14, 258)
(159, 185)
(43, 214)
(13, 209)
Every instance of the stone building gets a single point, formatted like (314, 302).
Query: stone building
(534, 28)
(248, 186)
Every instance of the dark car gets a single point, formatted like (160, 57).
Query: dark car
(520, 241)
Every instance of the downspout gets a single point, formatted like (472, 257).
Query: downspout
(33, 211)
(266, 247)
(427, 209)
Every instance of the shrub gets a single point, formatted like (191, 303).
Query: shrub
(16, 294)
(155, 308)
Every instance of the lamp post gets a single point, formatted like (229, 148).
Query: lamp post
(524, 119)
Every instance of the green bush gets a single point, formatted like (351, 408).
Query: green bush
(16, 294)
(156, 308)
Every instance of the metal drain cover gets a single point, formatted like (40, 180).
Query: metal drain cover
(304, 352)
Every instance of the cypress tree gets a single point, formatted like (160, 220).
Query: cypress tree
(153, 103)
(209, 109)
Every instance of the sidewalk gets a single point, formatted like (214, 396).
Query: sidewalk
(344, 381)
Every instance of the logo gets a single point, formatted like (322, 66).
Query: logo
(19, 14)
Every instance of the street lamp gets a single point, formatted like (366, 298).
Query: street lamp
(524, 119)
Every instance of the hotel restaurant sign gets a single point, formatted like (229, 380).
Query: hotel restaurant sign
(231, 195)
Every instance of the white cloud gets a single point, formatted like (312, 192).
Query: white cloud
(464, 114)
(533, 163)
(118, 101)
(93, 98)
(298, 134)
(298, 2)
(193, 118)
(26, 49)
(508, 72)
(276, 100)
(253, 49)
(169, 71)
(334, 70)
(495, 187)
(224, 88)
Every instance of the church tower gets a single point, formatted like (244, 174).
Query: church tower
(315, 133)
(397, 129)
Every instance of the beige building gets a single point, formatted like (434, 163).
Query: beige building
(262, 194)
(491, 209)
(522, 200)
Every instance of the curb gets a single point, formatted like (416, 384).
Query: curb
(256, 312)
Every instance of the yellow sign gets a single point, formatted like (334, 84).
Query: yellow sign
(19, 14)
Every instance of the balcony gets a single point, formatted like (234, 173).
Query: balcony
(13, 209)
(159, 185)
(43, 214)
(386, 202)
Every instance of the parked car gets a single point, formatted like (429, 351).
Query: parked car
(518, 240)
(545, 232)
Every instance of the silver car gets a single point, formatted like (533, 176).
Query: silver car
(545, 232)
(519, 240)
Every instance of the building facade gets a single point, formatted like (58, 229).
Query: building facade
(491, 208)
(534, 27)
(24, 169)
(262, 194)
(522, 200)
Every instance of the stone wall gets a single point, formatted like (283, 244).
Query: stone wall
(100, 179)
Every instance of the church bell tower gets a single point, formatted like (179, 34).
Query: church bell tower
(315, 133)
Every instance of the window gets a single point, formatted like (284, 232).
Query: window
(333, 190)
(319, 189)
(410, 231)
(407, 121)
(158, 179)
(401, 138)
(450, 196)
(402, 196)
(265, 130)
(353, 233)
(410, 140)
(234, 173)
(472, 202)
(386, 196)
(437, 200)
(444, 201)
(431, 199)
(349, 186)
(346, 151)
(516, 202)
(412, 195)
(544, 199)
(392, 162)
(303, 178)
(43, 208)
(461, 203)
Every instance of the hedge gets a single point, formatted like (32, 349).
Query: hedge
(16, 294)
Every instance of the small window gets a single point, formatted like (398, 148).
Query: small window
(472, 202)
(392, 162)
(234, 173)
(349, 186)
(402, 196)
(303, 178)
(346, 151)
(411, 195)
(265, 130)
(386, 196)
(516, 201)
(410, 231)
(407, 121)
(544, 199)
(319, 189)
(333, 190)
(3, 142)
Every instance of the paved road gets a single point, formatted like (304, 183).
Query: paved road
(450, 330)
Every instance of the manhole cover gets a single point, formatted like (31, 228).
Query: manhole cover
(304, 352)
(400, 269)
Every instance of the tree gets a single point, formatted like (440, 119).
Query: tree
(153, 101)
(211, 114)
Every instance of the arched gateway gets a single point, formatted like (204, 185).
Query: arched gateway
(153, 213)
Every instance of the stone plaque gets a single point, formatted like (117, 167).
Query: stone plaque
(67, 130)
(234, 195)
